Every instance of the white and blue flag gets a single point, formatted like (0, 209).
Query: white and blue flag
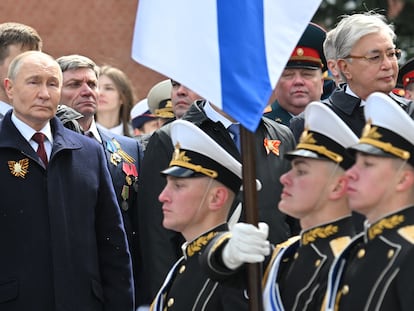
(231, 52)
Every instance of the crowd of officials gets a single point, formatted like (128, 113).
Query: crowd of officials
(109, 203)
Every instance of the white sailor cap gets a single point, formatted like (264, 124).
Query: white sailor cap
(389, 130)
(325, 137)
(159, 99)
(197, 154)
(141, 114)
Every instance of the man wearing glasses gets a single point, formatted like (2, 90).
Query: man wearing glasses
(367, 60)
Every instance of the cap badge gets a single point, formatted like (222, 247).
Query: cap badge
(180, 159)
(272, 145)
(180, 155)
(307, 138)
(308, 142)
(300, 52)
(19, 168)
(370, 131)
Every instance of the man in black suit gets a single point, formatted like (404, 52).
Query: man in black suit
(80, 92)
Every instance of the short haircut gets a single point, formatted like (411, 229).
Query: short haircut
(75, 61)
(18, 34)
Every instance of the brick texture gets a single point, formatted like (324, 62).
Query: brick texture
(99, 29)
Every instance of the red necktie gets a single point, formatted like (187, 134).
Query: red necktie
(41, 151)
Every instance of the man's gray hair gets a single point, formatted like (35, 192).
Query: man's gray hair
(75, 61)
(352, 28)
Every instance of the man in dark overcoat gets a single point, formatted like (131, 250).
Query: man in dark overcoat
(63, 242)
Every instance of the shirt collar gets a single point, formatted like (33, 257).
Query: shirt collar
(94, 130)
(28, 132)
(215, 116)
(350, 92)
(119, 129)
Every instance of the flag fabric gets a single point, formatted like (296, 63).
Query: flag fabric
(231, 52)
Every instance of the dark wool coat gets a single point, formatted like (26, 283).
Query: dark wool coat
(63, 246)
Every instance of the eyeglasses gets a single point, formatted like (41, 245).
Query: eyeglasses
(377, 58)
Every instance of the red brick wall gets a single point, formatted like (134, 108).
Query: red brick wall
(99, 29)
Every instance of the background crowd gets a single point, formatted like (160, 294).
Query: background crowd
(115, 202)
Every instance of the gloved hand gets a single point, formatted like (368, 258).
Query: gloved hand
(248, 244)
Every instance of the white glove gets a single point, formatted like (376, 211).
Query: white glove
(248, 244)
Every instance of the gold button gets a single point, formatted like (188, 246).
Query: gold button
(390, 253)
(170, 302)
(361, 253)
(182, 269)
(296, 256)
(317, 263)
(345, 290)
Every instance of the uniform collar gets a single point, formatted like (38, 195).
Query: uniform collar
(195, 246)
(390, 222)
(327, 231)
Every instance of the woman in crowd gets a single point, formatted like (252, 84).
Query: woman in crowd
(116, 99)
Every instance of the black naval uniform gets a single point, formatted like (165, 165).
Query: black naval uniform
(158, 240)
(349, 109)
(375, 271)
(187, 287)
(296, 277)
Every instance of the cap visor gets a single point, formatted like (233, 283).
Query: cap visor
(302, 153)
(370, 149)
(178, 171)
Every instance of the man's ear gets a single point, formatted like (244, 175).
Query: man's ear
(406, 181)
(340, 188)
(8, 86)
(343, 68)
(218, 197)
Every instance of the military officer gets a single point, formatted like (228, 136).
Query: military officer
(202, 181)
(302, 80)
(406, 78)
(314, 191)
(159, 101)
(375, 271)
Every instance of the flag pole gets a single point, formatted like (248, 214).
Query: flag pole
(254, 271)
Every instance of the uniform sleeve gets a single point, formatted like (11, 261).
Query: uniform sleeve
(114, 257)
